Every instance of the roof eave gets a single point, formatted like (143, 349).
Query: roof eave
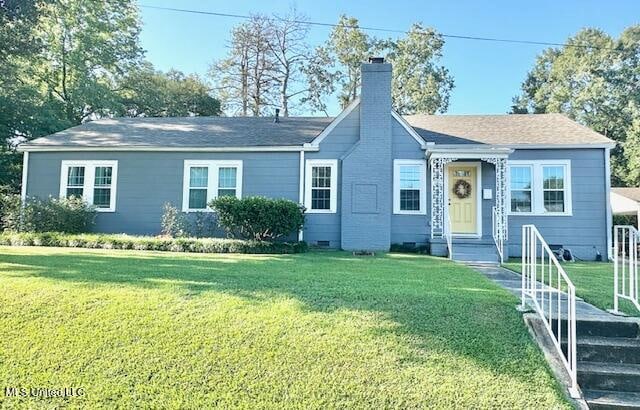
(68, 148)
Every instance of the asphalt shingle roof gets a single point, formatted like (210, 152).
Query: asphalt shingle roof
(188, 132)
(219, 132)
(507, 129)
(631, 193)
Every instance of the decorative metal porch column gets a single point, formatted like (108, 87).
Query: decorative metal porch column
(437, 195)
(500, 165)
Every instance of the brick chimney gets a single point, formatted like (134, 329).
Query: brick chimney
(367, 184)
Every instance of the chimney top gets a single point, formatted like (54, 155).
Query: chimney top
(376, 60)
(277, 117)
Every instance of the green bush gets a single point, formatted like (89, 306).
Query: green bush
(10, 205)
(70, 215)
(257, 217)
(147, 243)
(406, 248)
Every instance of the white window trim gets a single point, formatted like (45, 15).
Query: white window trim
(537, 196)
(212, 180)
(89, 180)
(397, 163)
(310, 163)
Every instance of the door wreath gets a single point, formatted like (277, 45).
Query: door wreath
(462, 189)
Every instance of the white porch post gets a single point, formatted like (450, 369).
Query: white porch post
(500, 165)
(437, 195)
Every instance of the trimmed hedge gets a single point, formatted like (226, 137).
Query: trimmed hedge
(70, 215)
(148, 243)
(257, 217)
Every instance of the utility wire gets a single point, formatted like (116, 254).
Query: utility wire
(386, 30)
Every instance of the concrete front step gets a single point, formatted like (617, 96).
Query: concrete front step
(475, 257)
(608, 349)
(621, 327)
(474, 250)
(609, 376)
(609, 400)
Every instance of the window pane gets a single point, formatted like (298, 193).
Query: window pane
(226, 192)
(197, 198)
(75, 176)
(198, 177)
(553, 177)
(102, 197)
(520, 178)
(320, 199)
(410, 199)
(227, 178)
(520, 201)
(410, 177)
(554, 201)
(77, 192)
(321, 177)
(103, 176)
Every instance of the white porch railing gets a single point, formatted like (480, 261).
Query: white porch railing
(498, 237)
(448, 236)
(625, 265)
(553, 297)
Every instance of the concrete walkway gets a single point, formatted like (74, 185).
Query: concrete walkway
(512, 282)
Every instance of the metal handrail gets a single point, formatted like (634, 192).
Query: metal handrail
(552, 295)
(498, 238)
(625, 265)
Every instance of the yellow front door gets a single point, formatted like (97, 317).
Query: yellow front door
(463, 199)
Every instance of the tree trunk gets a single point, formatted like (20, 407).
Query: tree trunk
(284, 98)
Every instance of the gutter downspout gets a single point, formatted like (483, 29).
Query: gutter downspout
(301, 192)
(609, 217)
(25, 172)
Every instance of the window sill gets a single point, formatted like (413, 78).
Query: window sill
(320, 211)
(539, 214)
(409, 212)
(198, 210)
(105, 210)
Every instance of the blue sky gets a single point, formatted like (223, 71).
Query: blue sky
(487, 75)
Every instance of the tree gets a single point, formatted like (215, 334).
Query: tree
(59, 61)
(595, 81)
(321, 80)
(146, 92)
(244, 78)
(287, 43)
(23, 112)
(419, 85)
(349, 46)
(87, 46)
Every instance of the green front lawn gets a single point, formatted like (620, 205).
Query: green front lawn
(317, 330)
(593, 281)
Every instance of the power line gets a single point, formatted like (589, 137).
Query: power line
(321, 24)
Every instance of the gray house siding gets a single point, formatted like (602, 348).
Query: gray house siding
(585, 231)
(146, 180)
(326, 227)
(408, 228)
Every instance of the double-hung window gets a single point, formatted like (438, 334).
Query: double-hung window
(321, 184)
(94, 181)
(540, 187)
(409, 186)
(206, 180)
(521, 186)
